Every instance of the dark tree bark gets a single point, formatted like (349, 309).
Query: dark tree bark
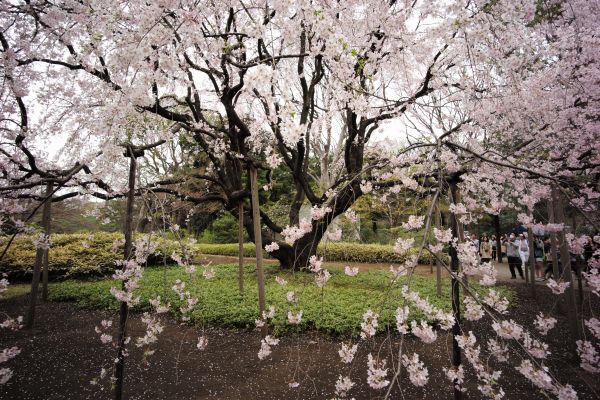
(297, 255)
(119, 372)
(455, 288)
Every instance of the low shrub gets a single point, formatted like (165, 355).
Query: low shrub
(337, 308)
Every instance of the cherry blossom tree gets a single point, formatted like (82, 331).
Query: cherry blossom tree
(250, 82)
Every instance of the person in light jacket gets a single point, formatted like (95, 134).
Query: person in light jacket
(485, 248)
(523, 249)
(514, 259)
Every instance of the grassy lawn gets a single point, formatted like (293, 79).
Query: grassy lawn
(337, 308)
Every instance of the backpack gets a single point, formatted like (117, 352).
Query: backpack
(523, 245)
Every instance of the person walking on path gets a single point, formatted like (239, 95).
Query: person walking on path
(485, 248)
(475, 243)
(523, 249)
(514, 259)
(539, 255)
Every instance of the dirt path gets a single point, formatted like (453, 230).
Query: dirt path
(216, 260)
(63, 354)
(423, 270)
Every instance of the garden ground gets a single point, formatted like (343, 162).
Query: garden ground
(63, 354)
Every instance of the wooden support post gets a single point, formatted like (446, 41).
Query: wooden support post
(46, 223)
(258, 243)
(460, 229)
(531, 260)
(438, 266)
(455, 288)
(241, 246)
(498, 240)
(553, 244)
(526, 271)
(39, 259)
(124, 308)
(580, 269)
(565, 259)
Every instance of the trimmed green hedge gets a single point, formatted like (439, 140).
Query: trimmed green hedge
(69, 258)
(338, 251)
(366, 253)
(67, 255)
(228, 249)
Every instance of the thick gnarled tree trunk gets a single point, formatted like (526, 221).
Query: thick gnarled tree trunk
(297, 256)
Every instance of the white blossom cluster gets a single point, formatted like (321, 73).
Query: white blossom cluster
(376, 372)
(271, 247)
(153, 329)
(347, 352)
(444, 319)
(188, 300)
(403, 245)
(488, 378)
(42, 242)
(544, 324)
(103, 330)
(159, 308)
(417, 372)
(414, 222)
(266, 346)
(292, 233)
(368, 327)
(343, 386)
(294, 318)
